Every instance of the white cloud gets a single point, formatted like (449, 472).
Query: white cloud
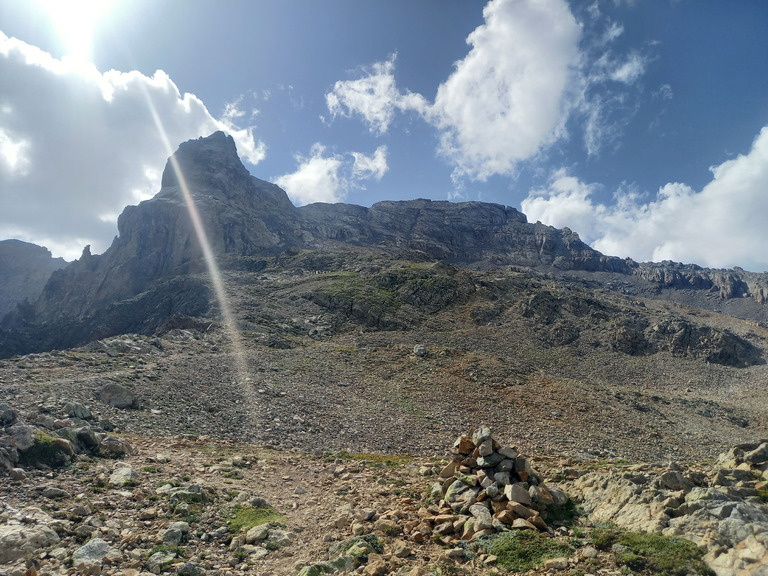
(506, 99)
(374, 96)
(629, 71)
(365, 167)
(323, 177)
(14, 154)
(719, 226)
(664, 92)
(78, 145)
(529, 70)
(565, 203)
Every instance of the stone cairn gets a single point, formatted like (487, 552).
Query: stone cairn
(488, 488)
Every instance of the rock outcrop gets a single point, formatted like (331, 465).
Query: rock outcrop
(143, 278)
(24, 269)
(53, 438)
(723, 509)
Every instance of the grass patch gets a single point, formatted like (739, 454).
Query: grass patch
(522, 550)
(244, 517)
(661, 555)
(167, 549)
(763, 494)
(380, 460)
(611, 463)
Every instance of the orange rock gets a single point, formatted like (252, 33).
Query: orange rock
(506, 516)
(464, 444)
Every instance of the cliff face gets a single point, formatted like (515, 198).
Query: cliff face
(244, 217)
(474, 233)
(727, 284)
(24, 270)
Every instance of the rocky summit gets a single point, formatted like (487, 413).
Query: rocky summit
(415, 388)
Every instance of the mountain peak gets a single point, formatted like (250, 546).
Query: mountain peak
(207, 161)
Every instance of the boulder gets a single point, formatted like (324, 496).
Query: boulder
(92, 552)
(8, 416)
(22, 436)
(116, 395)
(122, 476)
(20, 541)
(76, 410)
(113, 447)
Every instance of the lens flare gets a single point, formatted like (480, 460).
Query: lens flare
(241, 363)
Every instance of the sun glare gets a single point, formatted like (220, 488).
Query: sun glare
(75, 21)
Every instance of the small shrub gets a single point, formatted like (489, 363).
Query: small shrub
(604, 536)
(565, 514)
(167, 548)
(362, 545)
(522, 550)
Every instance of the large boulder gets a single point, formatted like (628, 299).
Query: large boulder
(18, 541)
(116, 395)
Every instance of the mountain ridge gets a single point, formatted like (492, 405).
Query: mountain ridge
(246, 218)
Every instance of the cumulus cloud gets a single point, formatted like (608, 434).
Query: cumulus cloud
(374, 96)
(328, 177)
(529, 70)
(718, 226)
(78, 145)
(505, 99)
(366, 167)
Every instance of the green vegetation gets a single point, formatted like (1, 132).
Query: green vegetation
(358, 548)
(167, 549)
(611, 463)
(763, 494)
(661, 555)
(244, 517)
(522, 550)
(564, 515)
(46, 450)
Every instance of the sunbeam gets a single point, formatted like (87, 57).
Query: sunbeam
(241, 363)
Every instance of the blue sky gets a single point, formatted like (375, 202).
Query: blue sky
(643, 126)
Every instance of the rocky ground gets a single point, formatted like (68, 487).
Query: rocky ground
(334, 414)
(130, 504)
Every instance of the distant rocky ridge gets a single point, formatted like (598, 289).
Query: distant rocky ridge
(144, 279)
(24, 270)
